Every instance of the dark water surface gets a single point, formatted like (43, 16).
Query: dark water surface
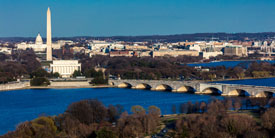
(228, 64)
(270, 82)
(22, 105)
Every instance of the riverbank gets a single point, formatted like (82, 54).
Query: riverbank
(68, 87)
(236, 79)
(55, 87)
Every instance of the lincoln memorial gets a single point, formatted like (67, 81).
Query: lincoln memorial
(65, 67)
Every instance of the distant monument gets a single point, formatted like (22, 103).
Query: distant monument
(64, 67)
(49, 36)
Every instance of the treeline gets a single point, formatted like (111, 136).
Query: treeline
(90, 118)
(19, 64)
(172, 68)
(218, 122)
(230, 103)
(162, 38)
(196, 37)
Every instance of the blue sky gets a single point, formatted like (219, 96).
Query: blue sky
(135, 17)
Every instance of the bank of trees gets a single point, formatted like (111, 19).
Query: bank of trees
(172, 68)
(217, 122)
(20, 63)
(90, 118)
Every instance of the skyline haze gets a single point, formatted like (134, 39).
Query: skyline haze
(111, 18)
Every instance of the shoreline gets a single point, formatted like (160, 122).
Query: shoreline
(111, 86)
(226, 60)
(248, 78)
(67, 87)
(58, 87)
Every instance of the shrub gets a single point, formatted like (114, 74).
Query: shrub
(40, 81)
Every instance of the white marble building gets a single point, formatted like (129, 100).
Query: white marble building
(65, 67)
(6, 50)
(38, 46)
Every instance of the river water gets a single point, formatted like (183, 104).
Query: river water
(228, 64)
(22, 105)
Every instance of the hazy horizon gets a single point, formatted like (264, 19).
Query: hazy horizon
(44, 37)
(106, 18)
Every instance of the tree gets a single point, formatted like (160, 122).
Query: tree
(216, 108)
(113, 113)
(239, 72)
(56, 75)
(88, 111)
(154, 110)
(268, 121)
(39, 73)
(203, 107)
(222, 71)
(237, 104)
(104, 133)
(99, 81)
(44, 127)
(228, 104)
(76, 73)
(238, 125)
(40, 81)
(137, 109)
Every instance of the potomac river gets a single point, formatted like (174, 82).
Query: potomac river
(22, 105)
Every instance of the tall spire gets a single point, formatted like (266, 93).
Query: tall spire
(49, 35)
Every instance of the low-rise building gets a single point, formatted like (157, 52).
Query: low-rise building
(65, 67)
(6, 50)
(121, 53)
(175, 53)
(235, 50)
(136, 47)
(207, 55)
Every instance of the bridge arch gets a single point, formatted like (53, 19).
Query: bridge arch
(111, 83)
(238, 92)
(265, 94)
(124, 85)
(186, 89)
(212, 91)
(163, 87)
(143, 86)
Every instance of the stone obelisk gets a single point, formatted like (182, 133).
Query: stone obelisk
(49, 36)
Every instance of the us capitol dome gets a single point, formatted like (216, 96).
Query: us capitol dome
(38, 39)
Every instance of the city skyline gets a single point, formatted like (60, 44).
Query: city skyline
(109, 18)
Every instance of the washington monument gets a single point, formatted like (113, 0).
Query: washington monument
(49, 36)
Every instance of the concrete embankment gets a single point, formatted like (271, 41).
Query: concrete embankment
(68, 87)
(54, 85)
(14, 86)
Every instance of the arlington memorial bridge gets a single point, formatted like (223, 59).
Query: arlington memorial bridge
(196, 87)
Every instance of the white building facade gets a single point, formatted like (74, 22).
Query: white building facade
(65, 67)
(38, 46)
